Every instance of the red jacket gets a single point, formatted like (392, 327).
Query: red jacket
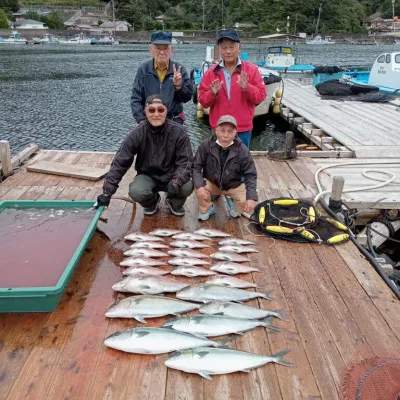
(242, 102)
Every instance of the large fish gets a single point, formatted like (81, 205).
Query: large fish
(231, 268)
(216, 325)
(140, 261)
(229, 257)
(148, 284)
(147, 306)
(187, 253)
(144, 270)
(237, 249)
(207, 361)
(188, 244)
(187, 261)
(155, 341)
(142, 237)
(230, 281)
(164, 232)
(192, 272)
(234, 242)
(145, 253)
(212, 233)
(148, 245)
(189, 236)
(205, 293)
(239, 311)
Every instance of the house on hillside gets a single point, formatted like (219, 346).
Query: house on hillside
(120, 26)
(377, 25)
(29, 24)
(244, 26)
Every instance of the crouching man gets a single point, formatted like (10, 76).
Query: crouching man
(221, 164)
(164, 160)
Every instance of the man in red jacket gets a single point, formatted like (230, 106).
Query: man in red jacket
(232, 86)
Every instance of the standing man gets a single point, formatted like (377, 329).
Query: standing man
(232, 86)
(161, 75)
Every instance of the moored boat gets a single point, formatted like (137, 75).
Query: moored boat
(320, 40)
(104, 41)
(14, 38)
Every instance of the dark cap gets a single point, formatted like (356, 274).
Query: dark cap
(228, 34)
(161, 37)
(156, 99)
(227, 119)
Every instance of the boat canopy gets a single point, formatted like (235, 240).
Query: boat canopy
(280, 50)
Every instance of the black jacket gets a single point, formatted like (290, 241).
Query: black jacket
(238, 164)
(163, 155)
(147, 83)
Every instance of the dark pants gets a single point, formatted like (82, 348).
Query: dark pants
(144, 189)
(176, 118)
(245, 137)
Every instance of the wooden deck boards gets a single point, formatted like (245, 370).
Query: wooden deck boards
(338, 308)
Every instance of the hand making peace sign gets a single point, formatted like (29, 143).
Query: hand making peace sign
(177, 76)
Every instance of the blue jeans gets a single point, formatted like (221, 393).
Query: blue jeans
(245, 137)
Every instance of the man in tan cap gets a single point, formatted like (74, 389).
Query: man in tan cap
(221, 164)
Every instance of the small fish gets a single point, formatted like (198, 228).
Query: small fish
(145, 253)
(148, 245)
(188, 244)
(144, 269)
(223, 280)
(164, 232)
(207, 361)
(192, 272)
(187, 253)
(237, 249)
(229, 257)
(139, 261)
(234, 242)
(189, 236)
(232, 268)
(187, 261)
(142, 237)
(213, 233)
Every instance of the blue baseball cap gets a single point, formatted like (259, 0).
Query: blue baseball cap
(161, 37)
(228, 34)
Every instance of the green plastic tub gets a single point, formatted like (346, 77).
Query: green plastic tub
(45, 299)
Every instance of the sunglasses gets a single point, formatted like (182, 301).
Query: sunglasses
(160, 110)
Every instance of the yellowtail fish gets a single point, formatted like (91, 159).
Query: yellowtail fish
(232, 268)
(144, 270)
(234, 242)
(192, 272)
(138, 261)
(212, 233)
(148, 284)
(142, 237)
(223, 280)
(187, 261)
(188, 244)
(145, 253)
(219, 255)
(187, 253)
(148, 245)
(164, 232)
(189, 236)
(237, 249)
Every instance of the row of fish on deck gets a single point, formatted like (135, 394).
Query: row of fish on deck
(219, 301)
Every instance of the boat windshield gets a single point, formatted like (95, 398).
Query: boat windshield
(279, 50)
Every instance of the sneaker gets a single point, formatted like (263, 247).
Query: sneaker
(152, 209)
(179, 212)
(204, 216)
(232, 209)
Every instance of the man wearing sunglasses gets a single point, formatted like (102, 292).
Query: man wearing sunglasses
(164, 159)
(162, 76)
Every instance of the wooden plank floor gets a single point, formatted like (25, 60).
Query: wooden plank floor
(375, 133)
(339, 310)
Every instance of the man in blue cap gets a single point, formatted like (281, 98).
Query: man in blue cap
(161, 75)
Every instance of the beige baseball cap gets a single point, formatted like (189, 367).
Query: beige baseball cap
(227, 119)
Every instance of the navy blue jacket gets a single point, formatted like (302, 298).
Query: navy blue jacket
(147, 83)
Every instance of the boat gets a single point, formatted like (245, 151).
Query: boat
(320, 40)
(104, 41)
(49, 38)
(14, 38)
(80, 38)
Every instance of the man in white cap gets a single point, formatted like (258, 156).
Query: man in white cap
(221, 164)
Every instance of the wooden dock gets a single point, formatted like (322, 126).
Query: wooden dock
(339, 310)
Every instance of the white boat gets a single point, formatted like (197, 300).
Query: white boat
(320, 40)
(104, 41)
(78, 39)
(49, 38)
(15, 38)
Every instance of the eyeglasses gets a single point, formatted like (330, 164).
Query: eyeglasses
(160, 110)
(161, 49)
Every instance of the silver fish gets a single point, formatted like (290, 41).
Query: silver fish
(207, 361)
(204, 293)
(187, 261)
(165, 232)
(212, 233)
(239, 311)
(237, 249)
(155, 341)
(232, 268)
(216, 325)
(229, 257)
(148, 284)
(189, 236)
(147, 306)
(223, 280)
(138, 261)
(144, 269)
(188, 244)
(192, 272)
(148, 245)
(142, 237)
(187, 253)
(145, 253)
(234, 242)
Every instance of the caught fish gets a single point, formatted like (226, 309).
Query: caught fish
(229, 257)
(187, 261)
(164, 232)
(204, 293)
(188, 244)
(210, 361)
(148, 284)
(145, 253)
(155, 341)
(148, 245)
(192, 272)
(231, 268)
(142, 237)
(212, 233)
(140, 261)
(223, 280)
(216, 325)
(144, 270)
(237, 249)
(189, 236)
(234, 242)
(187, 253)
(239, 311)
(147, 306)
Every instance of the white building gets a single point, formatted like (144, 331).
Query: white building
(29, 24)
(120, 26)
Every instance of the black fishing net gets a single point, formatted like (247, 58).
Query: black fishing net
(327, 69)
(283, 150)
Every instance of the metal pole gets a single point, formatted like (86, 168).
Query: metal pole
(203, 14)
